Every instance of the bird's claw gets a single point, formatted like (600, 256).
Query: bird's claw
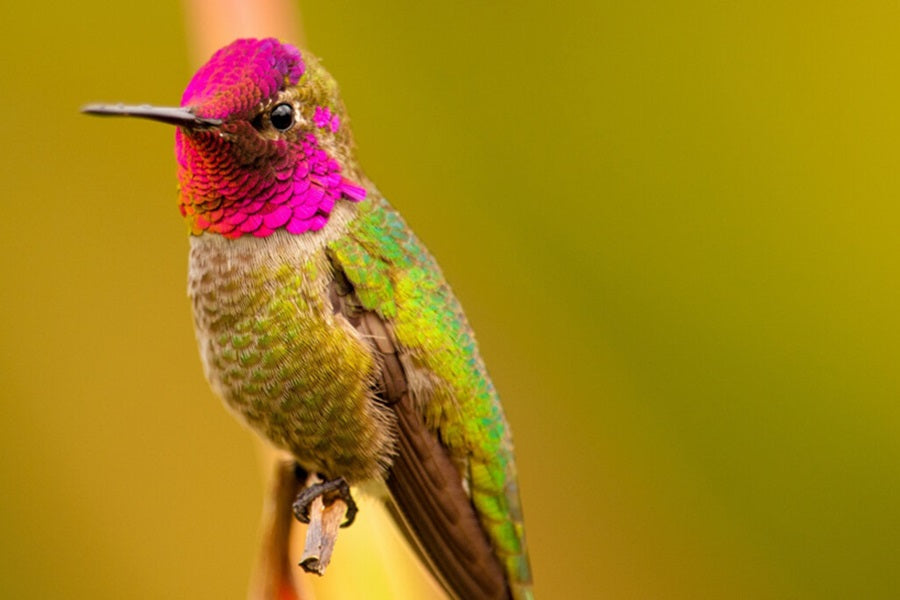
(336, 488)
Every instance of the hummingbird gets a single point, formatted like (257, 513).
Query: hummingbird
(324, 323)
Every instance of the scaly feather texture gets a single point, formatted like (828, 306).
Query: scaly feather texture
(325, 324)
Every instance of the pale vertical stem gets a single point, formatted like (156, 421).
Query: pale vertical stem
(212, 24)
(274, 574)
(374, 561)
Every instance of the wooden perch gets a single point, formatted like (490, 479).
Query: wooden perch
(274, 571)
(324, 522)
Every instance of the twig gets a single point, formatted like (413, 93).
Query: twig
(324, 522)
(274, 573)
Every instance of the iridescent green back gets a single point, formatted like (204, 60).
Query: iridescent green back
(394, 275)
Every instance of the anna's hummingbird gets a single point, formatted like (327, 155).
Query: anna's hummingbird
(325, 324)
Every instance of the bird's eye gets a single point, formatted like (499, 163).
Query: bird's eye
(282, 117)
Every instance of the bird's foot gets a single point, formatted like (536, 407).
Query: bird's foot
(330, 491)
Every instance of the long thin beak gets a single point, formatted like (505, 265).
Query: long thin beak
(182, 117)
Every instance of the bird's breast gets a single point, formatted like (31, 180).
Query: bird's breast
(274, 349)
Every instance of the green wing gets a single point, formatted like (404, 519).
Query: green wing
(395, 277)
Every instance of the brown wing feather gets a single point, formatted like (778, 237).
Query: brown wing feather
(429, 501)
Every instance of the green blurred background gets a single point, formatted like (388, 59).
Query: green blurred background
(673, 226)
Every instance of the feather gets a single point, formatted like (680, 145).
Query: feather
(429, 500)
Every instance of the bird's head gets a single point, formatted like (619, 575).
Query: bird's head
(262, 142)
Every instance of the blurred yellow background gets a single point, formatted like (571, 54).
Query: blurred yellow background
(673, 226)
